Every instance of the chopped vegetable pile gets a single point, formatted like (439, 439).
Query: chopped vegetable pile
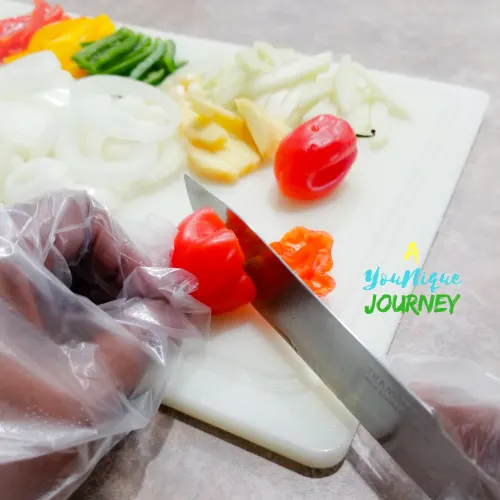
(57, 132)
(309, 254)
(88, 46)
(126, 53)
(64, 39)
(79, 110)
(16, 32)
(224, 145)
(294, 88)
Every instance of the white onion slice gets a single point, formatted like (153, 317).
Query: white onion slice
(121, 86)
(117, 176)
(344, 84)
(324, 107)
(33, 74)
(35, 178)
(29, 130)
(360, 120)
(291, 74)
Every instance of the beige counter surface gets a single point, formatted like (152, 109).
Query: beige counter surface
(450, 40)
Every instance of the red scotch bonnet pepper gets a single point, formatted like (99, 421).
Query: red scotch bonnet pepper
(314, 159)
(211, 252)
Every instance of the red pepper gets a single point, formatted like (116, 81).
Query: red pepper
(312, 161)
(16, 32)
(211, 252)
(269, 277)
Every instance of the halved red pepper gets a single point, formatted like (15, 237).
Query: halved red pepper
(211, 252)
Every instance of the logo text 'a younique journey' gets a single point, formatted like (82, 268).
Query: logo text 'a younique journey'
(432, 302)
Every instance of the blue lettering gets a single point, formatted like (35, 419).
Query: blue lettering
(409, 275)
(383, 279)
(422, 279)
(456, 279)
(432, 280)
(444, 279)
(396, 279)
(371, 278)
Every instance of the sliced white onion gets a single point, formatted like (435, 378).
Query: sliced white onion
(274, 56)
(276, 101)
(121, 86)
(324, 107)
(33, 74)
(172, 160)
(29, 130)
(360, 120)
(35, 178)
(377, 94)
(291, 74)
(231, 85)
(344, 85)
(118, 176)
(309, 94)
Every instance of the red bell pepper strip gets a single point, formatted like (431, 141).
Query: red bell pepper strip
(16, 32)
(211, 252)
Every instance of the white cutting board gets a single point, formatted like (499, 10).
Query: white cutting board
(248, 381)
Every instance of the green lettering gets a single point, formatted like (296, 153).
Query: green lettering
(368, 309)
(411, 302)
(389, 303)
(428, 301)
(401, 307)
(440, 305)
(453, 302)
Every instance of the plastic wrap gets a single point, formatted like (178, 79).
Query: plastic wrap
(467, 401)
(76, 376)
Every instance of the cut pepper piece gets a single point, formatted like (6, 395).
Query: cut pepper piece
(308, 253)
(211, 252)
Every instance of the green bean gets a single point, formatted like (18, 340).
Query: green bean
(114, 53)
(83, 56)
(144, 66)
(155, 77)
(141, 51)
(169, 56)
(180, 64)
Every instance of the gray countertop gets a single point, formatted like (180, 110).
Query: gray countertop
(449, 40)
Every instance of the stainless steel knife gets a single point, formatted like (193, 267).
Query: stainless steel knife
(407, 429)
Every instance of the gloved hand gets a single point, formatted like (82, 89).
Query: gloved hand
(75, 377)
(467, 401)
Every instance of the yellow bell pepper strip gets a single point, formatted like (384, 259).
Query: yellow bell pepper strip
(64, 39)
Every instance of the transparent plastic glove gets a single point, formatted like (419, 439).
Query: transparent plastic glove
(467, 400)
(76, 377)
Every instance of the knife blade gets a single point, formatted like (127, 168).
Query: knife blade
(409, 431)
